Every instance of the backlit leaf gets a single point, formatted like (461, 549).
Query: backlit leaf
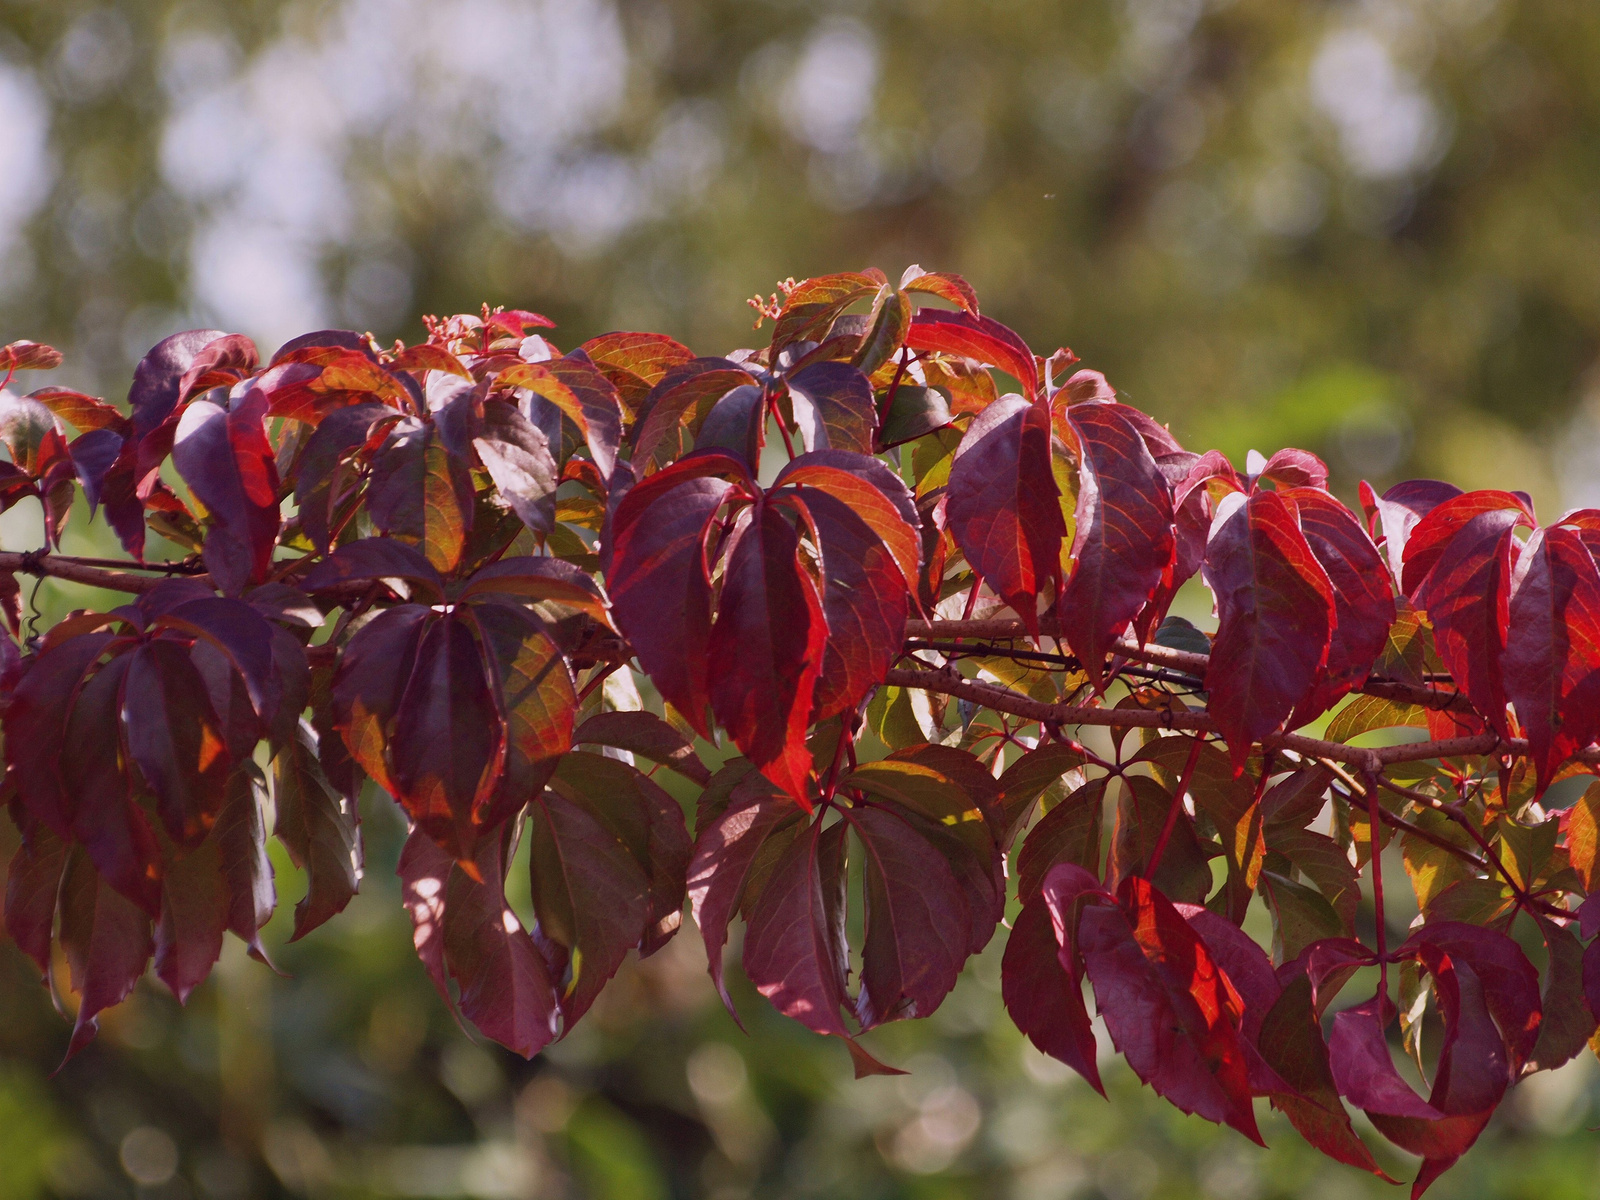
(764, 653)
(1275, 614)
(1002, 504)
(1124, 538)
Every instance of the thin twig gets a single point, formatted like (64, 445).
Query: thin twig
(1065, 662)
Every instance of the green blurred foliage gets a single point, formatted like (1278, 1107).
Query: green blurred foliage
(1366, 227)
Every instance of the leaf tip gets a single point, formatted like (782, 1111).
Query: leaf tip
(865, 1064)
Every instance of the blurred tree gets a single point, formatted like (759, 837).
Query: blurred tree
(1363, 226)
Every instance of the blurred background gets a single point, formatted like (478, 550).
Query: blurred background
(1365, 227)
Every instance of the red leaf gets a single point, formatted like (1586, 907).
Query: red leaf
(28, 356)
(426, 356)
(1488, 997)
(35, 721)
(917, 923)
(1551, 662)
(1124, 539)
(448, 747)
(301, 391)
(1432, 534)
(370, 683)
(535, 701)
(1003, 504)
(1275, 610)
(583, 395)
(942, 284)
(1210, 474)
(157, 378)
(32, 882)
(1044, 1000)
(1168, 1007)
(812, 307)
(88, 413)
(764, 653)
(1295, 469)
(1143, 808)
(872, 490)
(690, 389)
(194, 916)
(93, 456)
(1290, 1041)
(1365, 1074)
(660, 581)
(309, 346)
(506, 988)
(865, 599)
(1566, 1020)
(220, 363)
(1591, 974)
(123, 508)
(424, 870)
(950, 801)
(1025, 780)
(665, 858)
(517, 457)
(1400, 509)
(111, 827)
(969, 336)
(514, 322)
(647, 355)
(175, 738)
(794, 947)
(225, 458)
(106, 939)
(540, 578)
(421, 492)
(1363, 599)
(720, 870)
(834, 407)
(649, 825)
(588, 894)
(244, 637)
(370, 559)
(1068, 833)
(736, 426)
(1509, 982)
(320, 828)
(1458, 567)
(320, 485)
(1242, 960)
(647, 734)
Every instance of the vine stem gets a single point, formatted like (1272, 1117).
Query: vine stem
(1423, 800)
(92, 572)
(123, 576)
(1190, 663)
(1454, 813)
(788, 444)
(126, 579)
(1005, 700)
(1172, 810)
